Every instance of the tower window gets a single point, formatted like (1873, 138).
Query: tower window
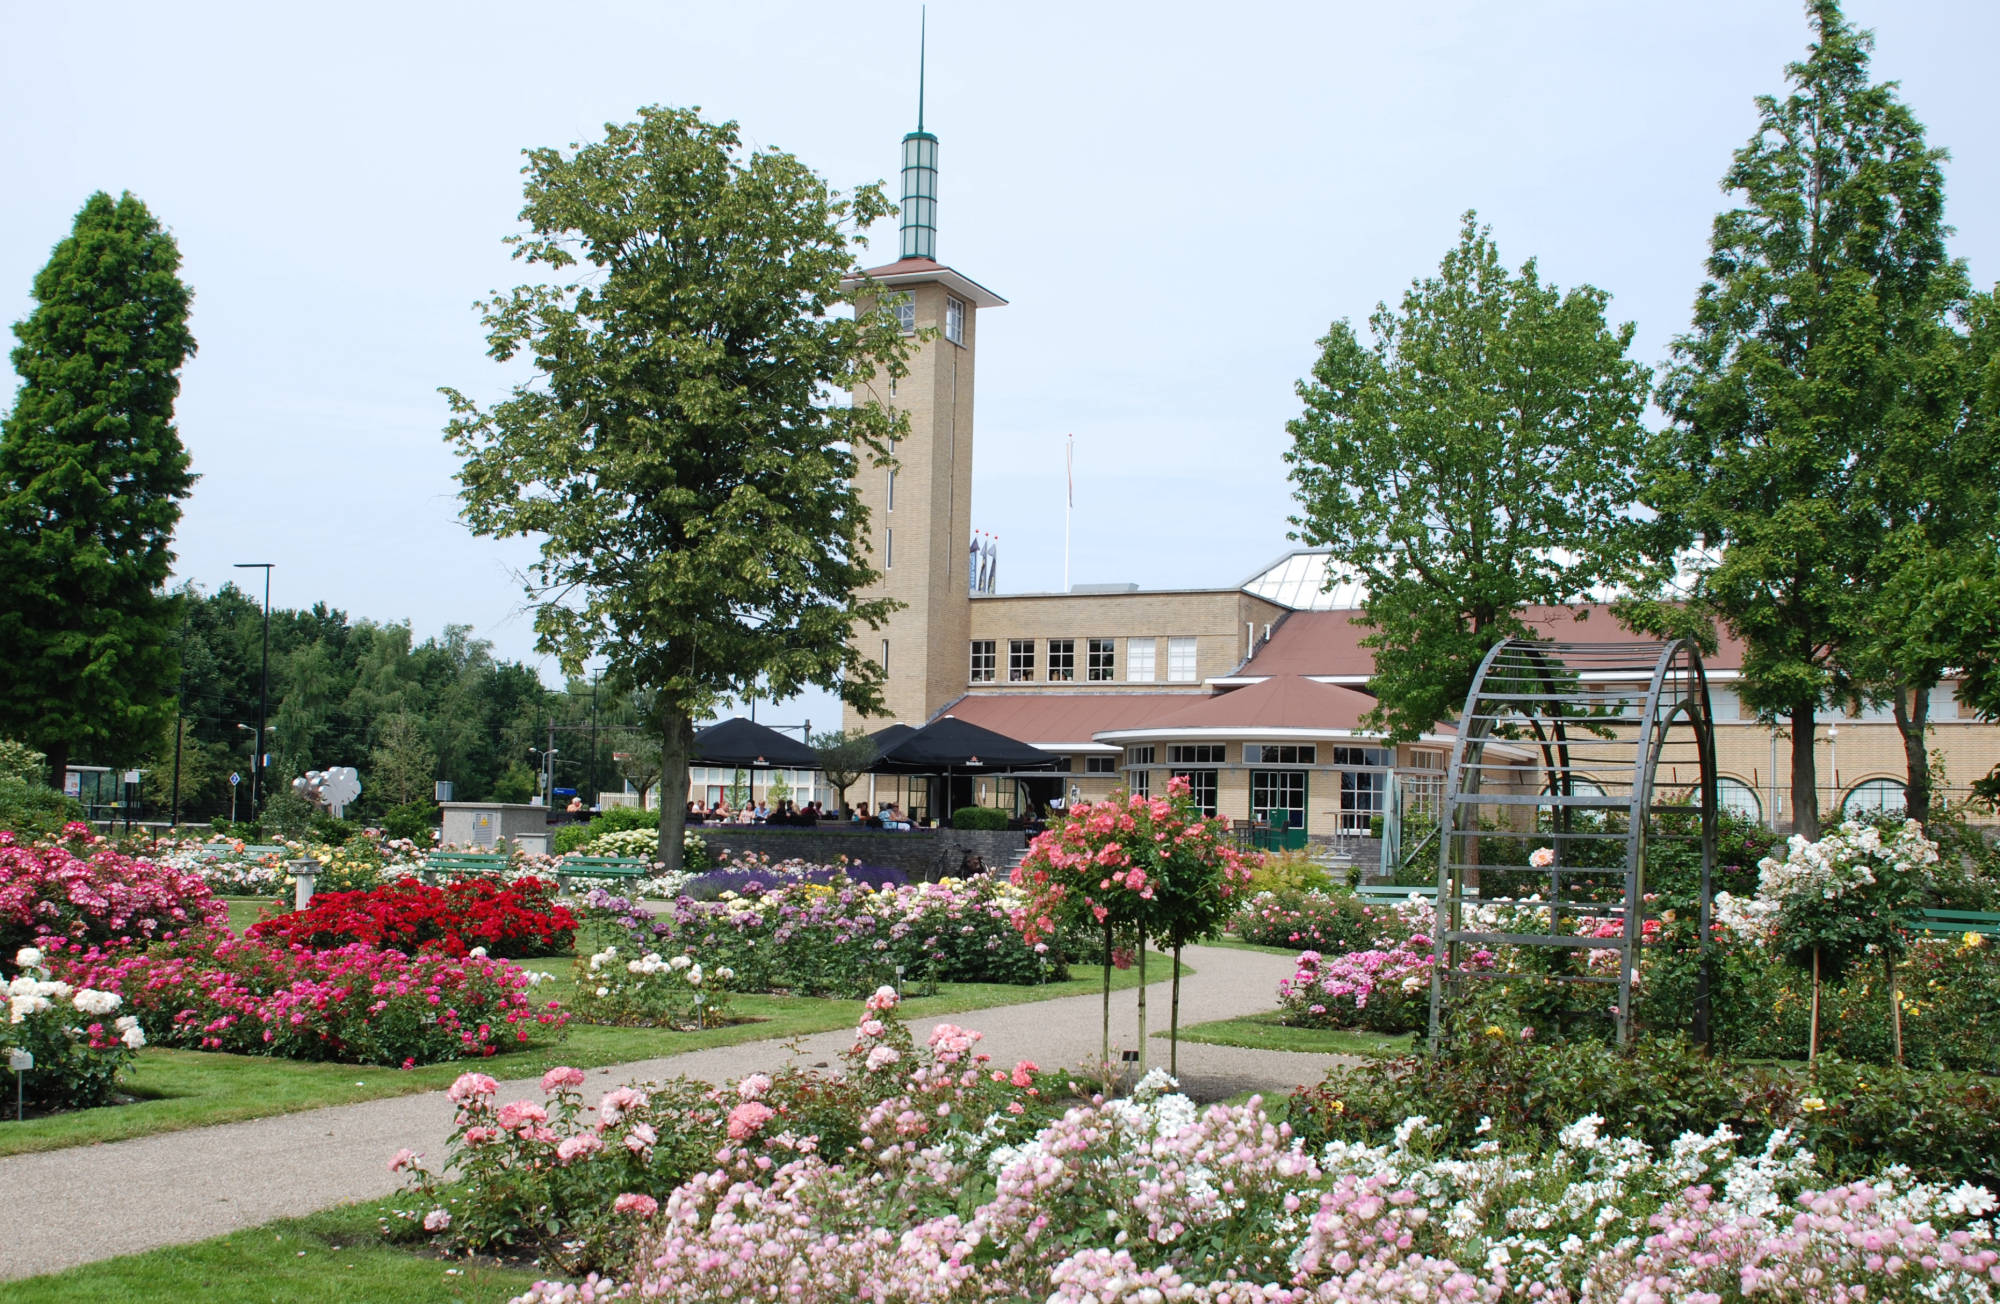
(906, 317)
(1062, 660)
(1180, 661)
(1020, 660)
(1103, 658)
(892, 491)
(983, 661)
(954, 320)
(885, 658)
(1139, 660)
(889, 550)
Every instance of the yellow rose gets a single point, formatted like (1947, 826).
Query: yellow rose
(1811, 1105)
(1495, 1030)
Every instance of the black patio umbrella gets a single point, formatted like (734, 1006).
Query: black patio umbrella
(884, 739)
(744, 744)
(949, 745)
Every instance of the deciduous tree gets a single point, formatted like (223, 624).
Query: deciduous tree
(680, 453)
(92, 474)
(1474, 458)
(1826, 289)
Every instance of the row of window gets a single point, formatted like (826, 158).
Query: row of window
(1278, 754)
(1100, 660)
(1726, 705)
(1283, 793)
(954, 316)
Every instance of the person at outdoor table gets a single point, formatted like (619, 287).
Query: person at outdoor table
(860, 812)
(695, 813)
(761, 813)
(893, 819)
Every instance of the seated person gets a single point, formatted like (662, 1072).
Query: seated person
(808, 815)
(861, 814)
(695, 814)
(893, 819)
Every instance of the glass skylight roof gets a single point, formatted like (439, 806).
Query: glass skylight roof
(1298, 581)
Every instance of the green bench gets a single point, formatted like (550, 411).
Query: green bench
(603, 867)
(218, 850)
(449, 863)
(1391, 893)
(462, 862)
(1984, 923)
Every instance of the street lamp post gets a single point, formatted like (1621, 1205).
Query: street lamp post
(263, 692)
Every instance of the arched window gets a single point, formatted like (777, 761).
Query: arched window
(1738, 798)
(1874, 797)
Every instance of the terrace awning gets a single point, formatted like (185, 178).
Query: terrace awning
(744, 744)
(949, 745)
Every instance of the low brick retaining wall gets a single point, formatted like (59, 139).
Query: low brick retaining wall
(923, 854)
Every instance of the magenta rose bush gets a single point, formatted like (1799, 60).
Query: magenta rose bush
(355, 1005)
(1384, 987)
(78, 890)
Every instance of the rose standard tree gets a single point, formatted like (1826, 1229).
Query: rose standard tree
(1138, 868)
(679, 453)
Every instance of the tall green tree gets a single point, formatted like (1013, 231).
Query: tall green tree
(1824, 295)
(680, 453)
(1474, 458)
(403, 765)
(92, 474)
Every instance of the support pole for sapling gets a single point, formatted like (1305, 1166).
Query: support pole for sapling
(1142, 1004)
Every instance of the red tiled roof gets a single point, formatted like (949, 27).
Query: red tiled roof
(905, 266)
(1329, 642)
(1281, 702)
(1043, 718)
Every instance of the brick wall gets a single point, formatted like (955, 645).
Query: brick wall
(923, 854)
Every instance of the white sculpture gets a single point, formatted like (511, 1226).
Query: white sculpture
(330, 790)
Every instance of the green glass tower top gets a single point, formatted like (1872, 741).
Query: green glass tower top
(919, 224)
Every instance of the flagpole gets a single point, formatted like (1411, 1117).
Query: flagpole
(1069, 499)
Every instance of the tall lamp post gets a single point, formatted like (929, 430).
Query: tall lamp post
(263, 692)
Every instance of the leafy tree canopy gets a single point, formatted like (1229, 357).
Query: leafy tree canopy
(679, 453)
(1474, 458)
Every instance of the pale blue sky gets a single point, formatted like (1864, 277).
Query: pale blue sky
(1177, 199)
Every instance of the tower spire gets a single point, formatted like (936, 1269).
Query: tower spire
(919, 223)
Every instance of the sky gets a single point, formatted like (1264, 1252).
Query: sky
(1176, 199)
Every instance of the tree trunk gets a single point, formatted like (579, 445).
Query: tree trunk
(1174, 1019)
(1105, 1056)
(676, 742)
(1805, 775)
(1142, 1003)
(58, 762)
(1913, 722)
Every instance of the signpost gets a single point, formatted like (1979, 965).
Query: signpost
(234, 779)
(20, 1061)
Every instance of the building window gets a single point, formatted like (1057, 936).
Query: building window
(1201, 787)
(1739, 798)
(1103, 658)
(1278, 792)
(906, 314)
(984, 661)
(1100, 765)
(885, 658)
(1875, 797)
(1142, 783)
(1944, 702)
(1280, 754)
(1020, 660)
(1377, 757)
(1195, 754)
(954, 320)
(1724, 704)
(892, 491)
(1426, 760)
(889, 550)
(1360, 798)
(1139, 660)
(1139, 755)
(1180, 661)
(1062, 660)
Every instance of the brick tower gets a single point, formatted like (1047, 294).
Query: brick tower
(920, 512)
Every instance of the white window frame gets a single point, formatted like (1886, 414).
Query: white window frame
(1106, 648)
(1066, 674)
(954, 320)
(906, 313)
(1183, 661)
(992, 650)
(1141, 660)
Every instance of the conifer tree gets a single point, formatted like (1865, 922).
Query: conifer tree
(92, 474)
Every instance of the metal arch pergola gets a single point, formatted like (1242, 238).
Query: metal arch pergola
(1599, 723)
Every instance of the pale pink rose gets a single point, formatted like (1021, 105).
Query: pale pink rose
(640, 1138)
(517, 1113)
(754, 1086)
(576, 1147)
(881, 1058)
(618, 1103)
(436, 1220)
(747, 1117)
(479, 1136)
(561, 1077)
(884, 999)
(405, 1158)
(1023, 1073)
(633, 1202)
(1542, 857)
(470, 1085)
(871, 1027)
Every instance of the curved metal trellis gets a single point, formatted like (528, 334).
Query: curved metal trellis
(1574, 749)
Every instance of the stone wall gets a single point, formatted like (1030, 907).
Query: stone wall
(922, 854)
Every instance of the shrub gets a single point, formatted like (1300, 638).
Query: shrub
(509, 920)
(649, 990)
(412, 820)
(32, 809)
(979, 817)
(79, 1040)
(1289, 871)
(355, 1005)
(753, 877)
(49, 891)
(1331, 923)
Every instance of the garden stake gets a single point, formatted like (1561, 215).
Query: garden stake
(1895, 1008)
(1812, 1038)
(1106, 1057)
(1174, 1019)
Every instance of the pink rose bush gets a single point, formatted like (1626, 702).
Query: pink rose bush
(355, 1005)
(1383, 988)
(1149, 1199)
(77, 890)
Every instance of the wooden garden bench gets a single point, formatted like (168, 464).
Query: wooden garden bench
(452, 863)
(633, 867)
(217, 850)
(1377, 894)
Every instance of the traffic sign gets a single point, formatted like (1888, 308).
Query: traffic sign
(234, 778)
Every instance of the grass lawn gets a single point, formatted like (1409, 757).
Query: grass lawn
(334, 1255)
(1265, 1032)
(176, 1089)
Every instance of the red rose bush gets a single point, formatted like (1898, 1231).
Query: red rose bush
(514, 919)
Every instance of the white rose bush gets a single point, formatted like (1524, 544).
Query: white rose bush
(80, 1040)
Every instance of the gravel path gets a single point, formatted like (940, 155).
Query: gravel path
(95, 1202)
